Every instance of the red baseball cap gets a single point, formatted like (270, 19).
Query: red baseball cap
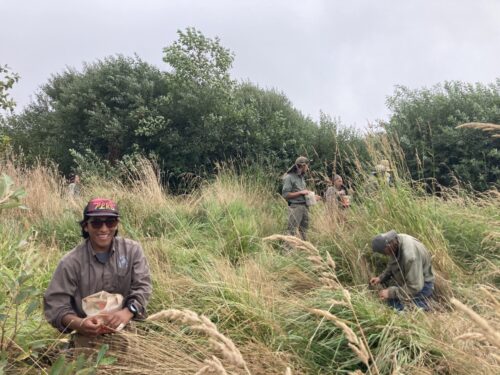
(101, 207)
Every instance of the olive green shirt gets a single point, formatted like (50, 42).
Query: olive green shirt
(80, 274)
(409, 269)
(293, 183)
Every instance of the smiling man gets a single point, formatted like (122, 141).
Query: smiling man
(102, 262)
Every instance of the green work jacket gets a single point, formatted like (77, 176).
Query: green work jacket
(409, 269)
(291, 184)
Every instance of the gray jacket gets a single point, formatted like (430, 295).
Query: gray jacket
(409, 270)
(79, 274)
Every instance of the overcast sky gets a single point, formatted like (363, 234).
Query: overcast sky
(341, 57)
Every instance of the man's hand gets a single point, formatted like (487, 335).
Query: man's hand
(304, 192)
(384, 294)
(318, 197)
(90, 327)
(113, 320)
(375, 281)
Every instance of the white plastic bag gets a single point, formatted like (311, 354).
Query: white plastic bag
(311, 199)
(102, 303)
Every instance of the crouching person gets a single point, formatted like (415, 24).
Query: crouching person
(409, 270)
(103, 262)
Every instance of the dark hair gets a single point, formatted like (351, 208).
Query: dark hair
(82, 224)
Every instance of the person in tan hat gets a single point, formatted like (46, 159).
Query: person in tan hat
(298, 197)
(409, 270)
(103, 262)
(381, 174)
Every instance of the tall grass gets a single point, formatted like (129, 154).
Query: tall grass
(207, 254)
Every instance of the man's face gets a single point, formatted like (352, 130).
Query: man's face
(338, 182)
(303, 168)
(101, 230)
(391, 248)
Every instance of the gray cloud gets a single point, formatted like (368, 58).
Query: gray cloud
(340, 57)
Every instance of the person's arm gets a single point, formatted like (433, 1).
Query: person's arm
(141, 288)
(288, 187)
(86, 326)
(414, 281)
(297, 194)
(57, 297)
(386, 275)
(112, 321)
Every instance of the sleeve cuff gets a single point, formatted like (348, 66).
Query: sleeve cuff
(59, 324)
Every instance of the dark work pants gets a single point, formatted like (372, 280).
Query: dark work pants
(420, 299)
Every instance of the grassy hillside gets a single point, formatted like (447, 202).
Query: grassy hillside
(214, 252)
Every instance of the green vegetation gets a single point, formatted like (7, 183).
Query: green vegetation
(226, 144)
(207, 254)
(425, 121)
(7, 81)
(192, 115)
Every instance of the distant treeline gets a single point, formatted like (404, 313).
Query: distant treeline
(195, 114)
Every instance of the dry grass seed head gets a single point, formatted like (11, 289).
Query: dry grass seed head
(479, 125)
(356, 345)
(213, 366)
(470, 336)
(296, 242)
(490, 333)
(330, 262)
(219, 342)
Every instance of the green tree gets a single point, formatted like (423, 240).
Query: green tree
(7, 81)
(111, 107)
(425, 122)
(340, 148)
(265, 124)
(200, 89)
(187, 118)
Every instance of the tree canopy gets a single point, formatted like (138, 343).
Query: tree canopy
(7, 81)
(187, 118)
(425, 121)
(193, 114)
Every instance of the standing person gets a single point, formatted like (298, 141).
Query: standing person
(295, 192)
(381, 175)
(74, 185)
(409, 268)
(389, 173)
(337, 194)
(102, 262)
